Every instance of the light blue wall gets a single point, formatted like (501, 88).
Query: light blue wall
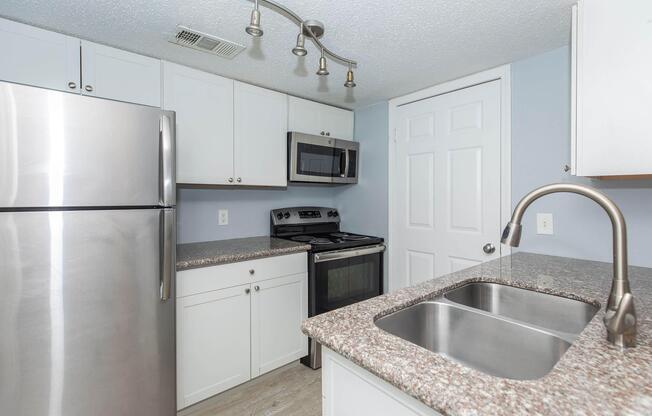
(248, 210)
(540, 149)
(363, 207)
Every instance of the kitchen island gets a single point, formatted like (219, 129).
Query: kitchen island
(592, 377)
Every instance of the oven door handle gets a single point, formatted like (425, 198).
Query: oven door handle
(344, 254)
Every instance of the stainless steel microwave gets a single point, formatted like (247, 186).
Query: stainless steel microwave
(322, 159)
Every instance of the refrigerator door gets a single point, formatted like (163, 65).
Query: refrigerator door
(84, 329)
(65, 150)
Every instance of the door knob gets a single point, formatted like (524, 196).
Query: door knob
(488, 248)
(72, 85)
(89, 88)
(239, 179)
(230, 180)
(247, 290)
(257, 288)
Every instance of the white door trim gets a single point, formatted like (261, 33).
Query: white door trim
(502, 73)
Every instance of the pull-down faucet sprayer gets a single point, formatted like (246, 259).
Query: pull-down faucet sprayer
(620, 317)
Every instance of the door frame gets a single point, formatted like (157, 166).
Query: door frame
(502, 74)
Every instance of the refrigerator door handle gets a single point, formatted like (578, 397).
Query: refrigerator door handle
(168, 251)
(167, 191)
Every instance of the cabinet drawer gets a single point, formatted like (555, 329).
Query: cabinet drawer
(190, 282)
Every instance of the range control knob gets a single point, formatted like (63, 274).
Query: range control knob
(287, 215)
(279, 216)
(335, 214)
(330, 213)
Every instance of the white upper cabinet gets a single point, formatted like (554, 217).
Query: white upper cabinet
(120, 75)
(260, 136)
(612, 92)
(38, 57)
(204, 106)
(310, 117)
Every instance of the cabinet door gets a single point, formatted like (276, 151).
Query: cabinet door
(304, 116)
(278, 306)
(213, 343)
(612, 87)
(38, 57)
(310, 117)
(204, 106)
(260, 136)
(120, 75)
(337, 122)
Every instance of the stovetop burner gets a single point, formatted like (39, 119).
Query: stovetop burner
(350, 237)
(310, 239)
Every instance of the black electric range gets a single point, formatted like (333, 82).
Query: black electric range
(343, 268)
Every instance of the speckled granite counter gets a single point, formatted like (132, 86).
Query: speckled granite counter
(211, 253)
(592, 377)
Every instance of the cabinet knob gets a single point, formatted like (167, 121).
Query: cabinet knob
(89, 88)
(252, 271)
(328, 133)
(231, 180)
(323, 133)
(72, 85)
(256, 288)
(239, 179)
(247, 291)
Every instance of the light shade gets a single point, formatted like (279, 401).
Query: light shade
(323, 70)
(254, 28)
(349, 79)
(300, 49)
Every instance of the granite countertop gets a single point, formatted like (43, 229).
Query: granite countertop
(592, 377)
(211, 253)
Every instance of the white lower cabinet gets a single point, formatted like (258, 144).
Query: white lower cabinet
(349, 390)
(213, 342)
(277, 308)
(238, 321)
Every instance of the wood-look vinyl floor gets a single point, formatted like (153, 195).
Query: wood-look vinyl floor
(292, 390)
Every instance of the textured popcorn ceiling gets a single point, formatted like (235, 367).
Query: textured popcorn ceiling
(401, 45)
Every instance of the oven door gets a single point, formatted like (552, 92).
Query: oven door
(340, 278)
(321, 159)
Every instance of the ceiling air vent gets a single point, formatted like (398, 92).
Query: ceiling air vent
(206, 43)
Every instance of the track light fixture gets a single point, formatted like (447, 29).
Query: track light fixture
(311, 29)
(254, 28)
(300, 49)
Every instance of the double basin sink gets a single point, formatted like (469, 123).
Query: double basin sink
(500, 330)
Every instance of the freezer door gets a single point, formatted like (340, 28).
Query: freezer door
(83, 327)
(66, 150)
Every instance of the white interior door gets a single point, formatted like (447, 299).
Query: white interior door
(447, 183)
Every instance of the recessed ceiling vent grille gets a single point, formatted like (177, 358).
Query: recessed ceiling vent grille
(206, 43)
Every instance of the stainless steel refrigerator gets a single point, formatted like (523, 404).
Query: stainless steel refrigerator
(87, 256)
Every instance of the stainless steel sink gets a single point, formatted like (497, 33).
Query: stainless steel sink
(500, 330)
(540, 309)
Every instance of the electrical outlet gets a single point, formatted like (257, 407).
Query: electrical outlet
(544, 224)
(223, 217)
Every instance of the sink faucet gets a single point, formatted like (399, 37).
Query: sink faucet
(620, 317)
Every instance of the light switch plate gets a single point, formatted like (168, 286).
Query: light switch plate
(544, 224)
(223, 217)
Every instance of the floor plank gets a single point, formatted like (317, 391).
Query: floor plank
(292, 390)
